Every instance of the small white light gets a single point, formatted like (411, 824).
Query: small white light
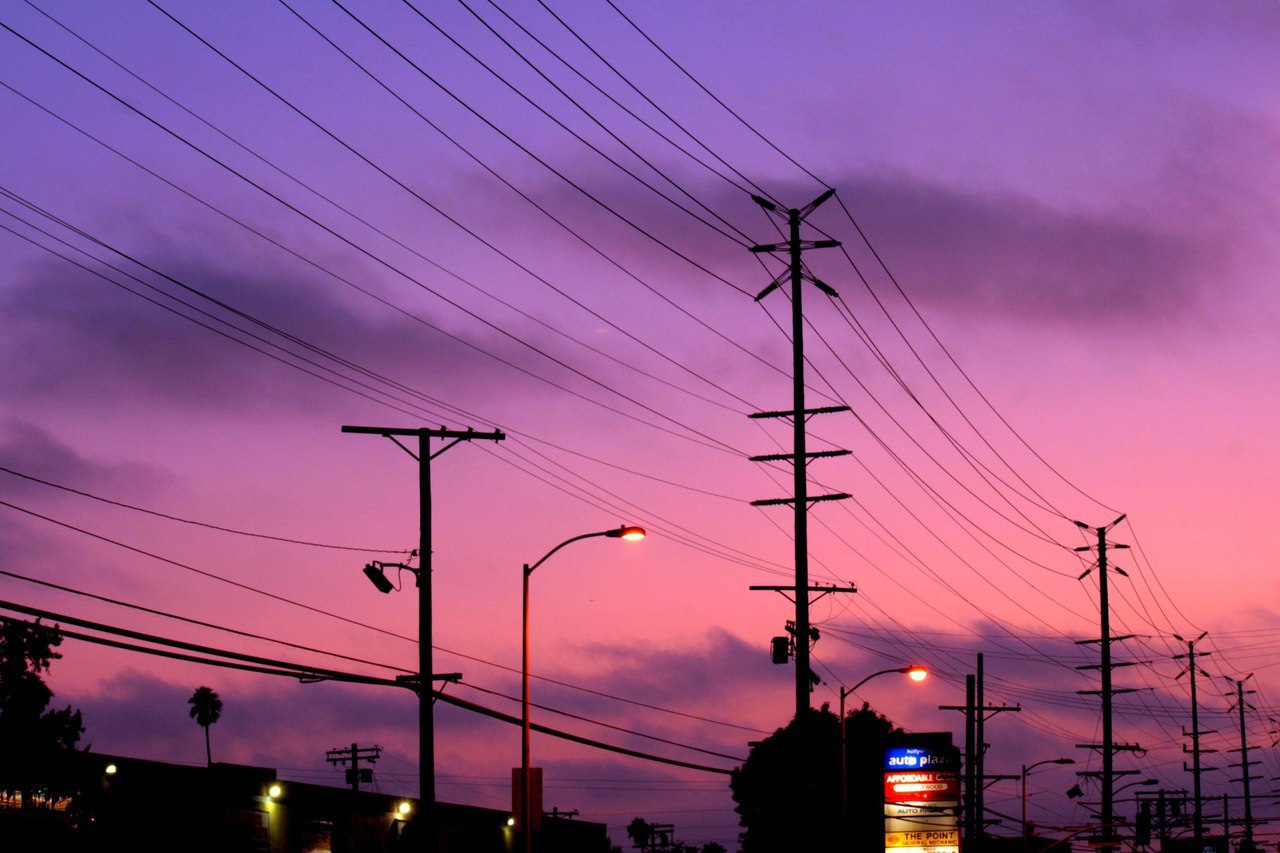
(275, 790)
(111, 770)
(404, 808)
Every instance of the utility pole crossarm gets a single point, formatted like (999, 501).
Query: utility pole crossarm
(463, 434)
(836, 496)
(791, 413)
(788, 457)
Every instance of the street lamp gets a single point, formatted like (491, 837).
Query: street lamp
(628, 532)
(915, 673)
(1027, 768)
(1144, 782)
(1109, 828)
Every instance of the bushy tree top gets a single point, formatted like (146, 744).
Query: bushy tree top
(789, 793)
(30, 733)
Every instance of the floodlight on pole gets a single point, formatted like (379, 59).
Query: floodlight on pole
(375, 571)
(627, 532)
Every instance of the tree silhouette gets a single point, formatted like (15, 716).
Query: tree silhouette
(206, 708)
(640, 832)
(788, 793)
(32, 738)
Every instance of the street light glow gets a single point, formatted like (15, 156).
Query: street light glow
(917, 673)
(629, 532)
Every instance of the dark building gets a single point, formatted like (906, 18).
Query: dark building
(100, 802)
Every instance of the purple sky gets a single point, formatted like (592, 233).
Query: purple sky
(1077, 198)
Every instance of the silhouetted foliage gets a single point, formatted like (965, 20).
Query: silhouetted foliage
(32, 737)
(640, 832)
(206, 708)
(788, 793)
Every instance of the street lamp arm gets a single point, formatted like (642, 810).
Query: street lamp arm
(616, 533)
(849, 691)
(1031, 767)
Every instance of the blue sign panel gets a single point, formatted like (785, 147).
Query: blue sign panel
(916, 758)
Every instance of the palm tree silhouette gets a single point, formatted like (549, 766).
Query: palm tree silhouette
(206, 708)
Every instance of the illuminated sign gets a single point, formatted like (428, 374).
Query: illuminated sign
(930, 839)
(922, 795)
(921, 786)
(915, 758)
(920, 823)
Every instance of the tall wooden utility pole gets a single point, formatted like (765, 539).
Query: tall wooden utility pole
(1246, 845)
(426, 678)
(799, 416)
(1197, 806)
(976, 713)
(1108, 747)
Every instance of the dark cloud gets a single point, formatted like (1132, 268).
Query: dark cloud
(704, 673)
(76, 336)
(35, 451)
(1017, 257)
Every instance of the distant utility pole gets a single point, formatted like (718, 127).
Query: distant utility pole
(799, 416)
(1246, 846)
(426, 677)
(353, 756)
(976, 713)
(1108, 747)
(1197, 804)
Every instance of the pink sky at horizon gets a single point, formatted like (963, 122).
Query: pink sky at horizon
(1078, 198)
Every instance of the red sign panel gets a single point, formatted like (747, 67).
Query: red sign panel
(920, 786)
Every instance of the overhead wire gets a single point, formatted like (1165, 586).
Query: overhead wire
(265, 666)
(206, 574)
(709, 93)
(193, 522)
(741, 237)
(647, 234)
(191, 621)
(741, 187)
(365, 252)
(470, 153)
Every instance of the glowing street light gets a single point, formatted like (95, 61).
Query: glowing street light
(915, 672)
(627, 532)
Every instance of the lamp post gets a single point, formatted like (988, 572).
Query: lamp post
(1027, 768)
(1142, 783)
(627, 532)
(915, 673)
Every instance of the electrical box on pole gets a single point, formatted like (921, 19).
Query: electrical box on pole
(355, 775)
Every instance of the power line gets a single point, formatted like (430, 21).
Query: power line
(268, 666)
(623, 729)
(204, 524)
(168, 615)
(210, 575)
